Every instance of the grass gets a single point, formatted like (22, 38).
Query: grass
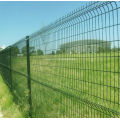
(8, 107)
(59, 84)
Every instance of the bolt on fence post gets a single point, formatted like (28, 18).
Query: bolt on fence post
(10, 69)
(28, 73)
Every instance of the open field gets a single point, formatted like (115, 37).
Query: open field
(70, 85)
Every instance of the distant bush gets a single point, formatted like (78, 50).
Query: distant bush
(53, 53)
(58, 52)
(73, 52)
(82, 53)
(39, 52)
(102, 50)
(90, 52)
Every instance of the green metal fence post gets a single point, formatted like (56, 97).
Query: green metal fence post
(28, 72)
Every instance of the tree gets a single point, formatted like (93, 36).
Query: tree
(63, 51)
(39, 52)
(108, 49)
(58, 52)
(24, 50)
(14, 51)
(114, 49)
(119, 49)
(100, 50)
(0, 49)
(53, 53)
(33, 52)
(31, 49)
(73, 52)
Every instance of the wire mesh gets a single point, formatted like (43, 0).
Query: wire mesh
(73, 65)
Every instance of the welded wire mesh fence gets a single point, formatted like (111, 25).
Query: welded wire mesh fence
(71, 67)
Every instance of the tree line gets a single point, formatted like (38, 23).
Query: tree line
(15, 51)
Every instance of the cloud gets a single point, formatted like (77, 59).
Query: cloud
(3, 47)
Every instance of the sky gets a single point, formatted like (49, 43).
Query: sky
(21, 18)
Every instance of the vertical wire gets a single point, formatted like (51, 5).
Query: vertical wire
(114, 58)
(39, 59)
(77, 69)
(80, 64)
(69, 70)
(100, 67)
(77, 80)
(64, 60)
(36, 55)
(96, 59)
(58, 69)
(63, 57)
(60, 56)
(93, 64)
(103, 61)
(72, 57)
(85, 64)
(114, 54)
(73, 67)
(66, 34)
(69, 64)
(75, 64)
(118, 56)
(99, 58)
(106, 59)
(66, 69)
(80, 26)
(88, 63)
(110, 60)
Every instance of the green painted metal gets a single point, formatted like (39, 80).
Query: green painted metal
(69, 68)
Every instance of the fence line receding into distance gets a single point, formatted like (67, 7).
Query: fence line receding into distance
(69, 68)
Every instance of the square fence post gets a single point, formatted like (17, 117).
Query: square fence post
(28, 73)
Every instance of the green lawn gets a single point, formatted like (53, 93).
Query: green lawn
(92, 77)
(8, 107)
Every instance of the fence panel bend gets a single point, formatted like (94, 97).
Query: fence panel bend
(69, 68)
